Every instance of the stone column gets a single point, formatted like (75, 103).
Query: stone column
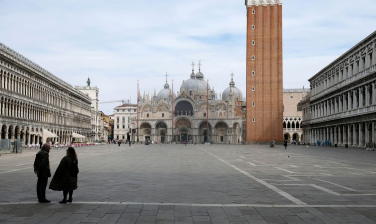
(366, 134)
(360, 97)
(12, 133)
(326, 133)
(373, 92)
(344, 137)
(355, 106)
(28, 138)
(349, 134)
(360, 135)
(335, 135)
(330, 134)
(367, 95)
(354, 135)
(372, 140)
(335, 109)
(349, 100)
(314, 135)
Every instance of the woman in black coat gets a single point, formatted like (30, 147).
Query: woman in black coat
(65, 177)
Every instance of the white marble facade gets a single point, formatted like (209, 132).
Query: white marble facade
(189, 107)
(32, 100)
(342, 105)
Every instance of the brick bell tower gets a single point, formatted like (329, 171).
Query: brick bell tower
(264, 119)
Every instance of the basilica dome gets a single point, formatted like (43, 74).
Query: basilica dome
(164, 94)
(236, 93)
(196, 85)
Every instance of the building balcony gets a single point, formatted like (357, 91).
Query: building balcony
(341, 115)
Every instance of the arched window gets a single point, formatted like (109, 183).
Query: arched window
(162, 114)
(297, 125)
(288, 124)
(204, 114)
(284, 124)
(147, 115)
(293, 125)
(184, 108)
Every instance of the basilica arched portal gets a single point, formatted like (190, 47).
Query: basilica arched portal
(183, 130)
(204, 132)
(145, 131)
(160, 131)
(221, 130)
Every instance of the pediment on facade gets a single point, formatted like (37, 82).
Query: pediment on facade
(183, 96)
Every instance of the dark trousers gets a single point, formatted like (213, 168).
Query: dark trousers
(65, 193)
(130, 142)
(41, 188)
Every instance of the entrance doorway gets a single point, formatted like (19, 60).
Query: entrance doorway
(184, 137)
(205, 135)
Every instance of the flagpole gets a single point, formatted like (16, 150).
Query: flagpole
(138, 99)
(207, 106)
(172, 106)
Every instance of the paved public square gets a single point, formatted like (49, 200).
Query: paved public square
(198, 184)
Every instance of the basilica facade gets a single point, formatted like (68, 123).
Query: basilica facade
(194, 113)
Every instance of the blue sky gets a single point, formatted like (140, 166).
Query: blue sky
(119, 41)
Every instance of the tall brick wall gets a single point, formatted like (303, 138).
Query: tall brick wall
(268, 78)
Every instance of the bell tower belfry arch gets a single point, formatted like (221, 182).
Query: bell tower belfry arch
(264, 75)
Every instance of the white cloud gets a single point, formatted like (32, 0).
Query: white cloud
(117, 42)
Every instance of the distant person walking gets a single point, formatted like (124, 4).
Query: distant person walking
(42, 170)
(129, 139)
(285, 144)
(119, 143)
(40, 144)
(65, 177)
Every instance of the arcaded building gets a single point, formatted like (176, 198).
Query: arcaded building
(292, 114)
(342, 105)
(194, 113)
(36, 104)
(264, 79)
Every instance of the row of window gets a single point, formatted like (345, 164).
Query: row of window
(343, 74)
(22, 86)
(124, 110)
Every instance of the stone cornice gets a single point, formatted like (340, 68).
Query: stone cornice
(249, 3)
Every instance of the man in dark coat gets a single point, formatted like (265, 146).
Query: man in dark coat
(42, 170)
(129, 139)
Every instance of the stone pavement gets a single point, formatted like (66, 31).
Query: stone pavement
(199, 184)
